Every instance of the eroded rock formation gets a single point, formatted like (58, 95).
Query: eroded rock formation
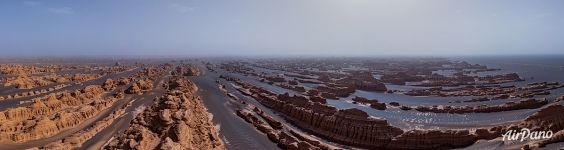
(51, 114)
(140, 86)
(353, 126)
(372, 103)
(523, 104)
(176, 120)
(187, 70)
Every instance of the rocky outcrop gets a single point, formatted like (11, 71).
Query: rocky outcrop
(78, 138)
(140, 86)
(187, 70)
(109, 84)
(49, 115)
(176, 120)
(400, 78)
(372, 103)
(350, 126)
(124, 81)
(79, 77)
(547, 119)
(35, 92)
(277, 133)
(271, 121)
(13, 69)
(27, 81)
(495, 92)
(432, 139)
(296, 88)
(333, 91)
(362, 80)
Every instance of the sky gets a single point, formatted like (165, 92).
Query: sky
(281, 27)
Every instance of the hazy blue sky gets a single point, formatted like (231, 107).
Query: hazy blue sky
(274, 27)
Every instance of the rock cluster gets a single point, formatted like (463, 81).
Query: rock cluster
(26, 81)
(34, 92)
(78, 138)
(400, 78)
(331, 91)
(140, 86)
(12, 69)
(276, 132)
(296, 88)
(495, 91)
(51, 114)
(82, 77)
(433, 139)
(176, 120)
(123, 81)
(353, 126)
(109, 84)
(187, 70)
(372, 103)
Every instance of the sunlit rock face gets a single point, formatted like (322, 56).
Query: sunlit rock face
(176, 120)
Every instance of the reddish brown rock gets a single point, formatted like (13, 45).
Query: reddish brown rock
(139, 87)
(350, 126)
(177, 120)
(124, 81)
(432, 139)
(109, 85)
(548, 118)
(187, 70)
(372, 103)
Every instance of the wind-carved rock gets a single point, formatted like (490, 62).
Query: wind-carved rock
(176, 120)
(351, 126)
(140, 86)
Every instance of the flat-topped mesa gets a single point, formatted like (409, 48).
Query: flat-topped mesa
(296, 88)
(501, 78)
(334, 91)
(275, 79)
(372, 103)
(495, 91)
(523, 104)
(323, 109)
(362, 80)
(400, 78)
(176, 120)
(299, 101)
